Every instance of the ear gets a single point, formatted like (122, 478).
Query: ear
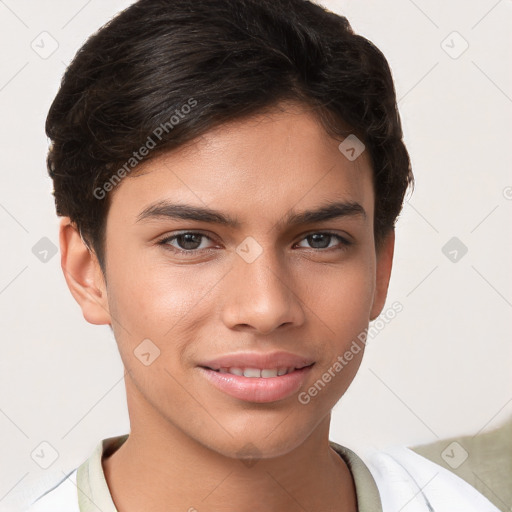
(383, 273)
(83, 274)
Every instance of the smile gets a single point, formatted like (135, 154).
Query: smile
(265, 373)
(255, 384)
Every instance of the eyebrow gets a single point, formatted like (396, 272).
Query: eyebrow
(168, 210)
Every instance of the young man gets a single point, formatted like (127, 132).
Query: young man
(229, 173)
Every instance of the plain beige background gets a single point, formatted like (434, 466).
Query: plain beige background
(440, 368)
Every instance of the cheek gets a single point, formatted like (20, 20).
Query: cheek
(340, 308)
(342, 296)
(158, 301)
(341, 302)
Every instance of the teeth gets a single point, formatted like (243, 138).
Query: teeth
(252, 372)
(256, 372)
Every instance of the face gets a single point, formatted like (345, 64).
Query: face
(251, 284)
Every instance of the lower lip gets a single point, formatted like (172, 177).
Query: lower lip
(257, 389)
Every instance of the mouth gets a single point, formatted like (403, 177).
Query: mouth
(257, 385)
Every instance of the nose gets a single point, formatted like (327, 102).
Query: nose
(262, 295)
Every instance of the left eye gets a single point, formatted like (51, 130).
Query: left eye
(318, 240)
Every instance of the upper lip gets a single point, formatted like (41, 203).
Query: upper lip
(258, 360)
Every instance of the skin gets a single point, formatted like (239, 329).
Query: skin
(307, 298)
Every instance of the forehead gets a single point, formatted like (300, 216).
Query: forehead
(267, 164)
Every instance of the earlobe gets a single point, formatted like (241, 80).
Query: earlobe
(83, 274)
(383, 274)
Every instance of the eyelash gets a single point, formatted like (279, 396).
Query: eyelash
(192, 252)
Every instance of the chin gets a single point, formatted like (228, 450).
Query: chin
(263, 443)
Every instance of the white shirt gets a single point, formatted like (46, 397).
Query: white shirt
(393, 480)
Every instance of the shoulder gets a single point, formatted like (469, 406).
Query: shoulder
(62, 497)
(408, 481)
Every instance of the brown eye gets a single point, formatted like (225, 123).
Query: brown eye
(187, 242)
